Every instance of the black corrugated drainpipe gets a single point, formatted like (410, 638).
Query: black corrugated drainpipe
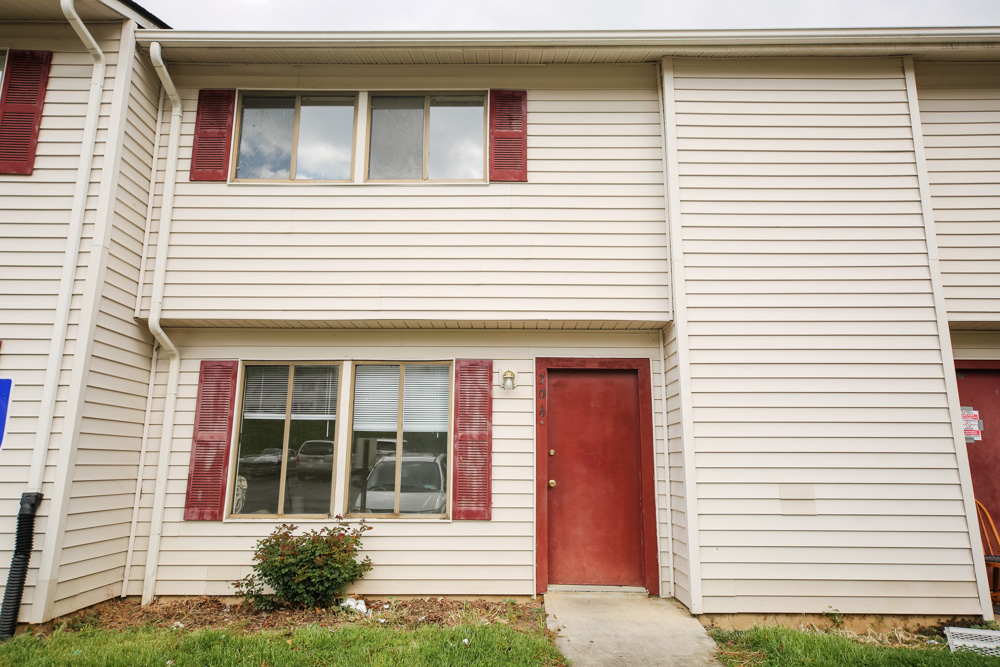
(19, 563)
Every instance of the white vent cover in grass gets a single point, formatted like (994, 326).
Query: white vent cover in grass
(983, 642)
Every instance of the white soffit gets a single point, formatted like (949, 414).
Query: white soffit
(506, 48)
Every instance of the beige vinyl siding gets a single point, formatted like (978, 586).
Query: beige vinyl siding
(103, 488)
(824, 455)
(425, 557)
(582, 240)
(960, 115)
(33, 227)
(675, 479)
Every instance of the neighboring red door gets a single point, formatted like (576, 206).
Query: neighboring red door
(594, 510)
(980, 389)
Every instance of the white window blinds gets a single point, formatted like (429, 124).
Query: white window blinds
(425, 398)
(376, 398)
(314, 393)
(265, 392)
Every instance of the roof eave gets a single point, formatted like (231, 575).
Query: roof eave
(666, 39)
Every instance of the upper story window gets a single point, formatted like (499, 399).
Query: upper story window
(427, 137)
(458, 137)
(296, 137)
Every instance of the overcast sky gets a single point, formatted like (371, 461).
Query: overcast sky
(334, 15)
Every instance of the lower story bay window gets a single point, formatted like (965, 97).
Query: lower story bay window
(286, 453)
(400, 439)
(416, 444)
(285, 456)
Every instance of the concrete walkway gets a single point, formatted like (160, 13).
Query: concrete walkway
(597, 629)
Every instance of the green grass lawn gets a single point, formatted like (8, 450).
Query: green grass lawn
(780, 647)
(310, 645)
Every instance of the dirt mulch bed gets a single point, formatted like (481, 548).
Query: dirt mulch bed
(213, 612)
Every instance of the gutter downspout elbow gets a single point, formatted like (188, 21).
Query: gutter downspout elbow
(167, 205)
(155, 327)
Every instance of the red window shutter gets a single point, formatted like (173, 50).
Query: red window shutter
(508, 135)
(213, 134)
(472, 495)
(21, 101)
(213, 422)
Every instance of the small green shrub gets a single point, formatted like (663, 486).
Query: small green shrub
(308, 570)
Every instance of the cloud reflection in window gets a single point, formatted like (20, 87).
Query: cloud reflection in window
(456, 137)
(325, 138)
(266, 137)
(326, 135)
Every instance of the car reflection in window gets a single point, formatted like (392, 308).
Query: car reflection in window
(315, 459)
(421, 486)
(268, 461)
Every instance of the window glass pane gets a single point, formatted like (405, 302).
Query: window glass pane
(314, 393)
(326, 138)
(456, 137)
(397, 137)
(423, 477)
(425, 398)
(265, 393)
(262, 434)
(266, 137)
(372, 487)
(309, 483)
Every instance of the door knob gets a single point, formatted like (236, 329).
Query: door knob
(552, 482)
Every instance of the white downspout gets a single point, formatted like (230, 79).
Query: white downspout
(44, 586)
(155, 311)
(71, 255)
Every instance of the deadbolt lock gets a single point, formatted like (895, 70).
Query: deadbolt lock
(552, 482)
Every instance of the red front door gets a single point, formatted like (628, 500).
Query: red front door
(980, 390)
(594, 531)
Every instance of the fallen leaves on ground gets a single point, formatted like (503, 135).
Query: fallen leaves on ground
(214, 612)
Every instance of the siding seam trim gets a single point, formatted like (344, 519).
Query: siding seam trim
(666, 465)
(97, 262)
(663, 360)
(944, 335)
(673, 198)
(534, 477)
